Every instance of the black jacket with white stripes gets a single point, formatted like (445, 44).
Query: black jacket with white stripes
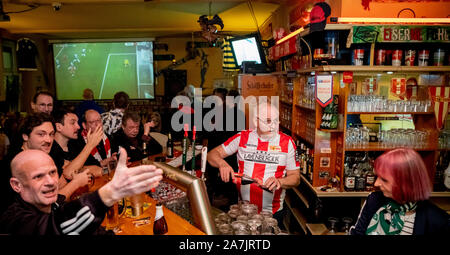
(81, 216)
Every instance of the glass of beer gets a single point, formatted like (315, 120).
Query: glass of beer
(112, 217)
(137, 205)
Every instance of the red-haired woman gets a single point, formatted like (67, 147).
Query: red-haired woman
(401, 207)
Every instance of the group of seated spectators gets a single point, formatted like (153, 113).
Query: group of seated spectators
(81, 142)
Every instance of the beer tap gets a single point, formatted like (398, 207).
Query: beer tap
(193, 152)
(204, 156)
(186, 127)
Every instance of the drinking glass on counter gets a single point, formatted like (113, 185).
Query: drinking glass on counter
(243, 219)
(112, 217)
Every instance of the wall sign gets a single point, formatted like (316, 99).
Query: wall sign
(409, 34)
(324, 89)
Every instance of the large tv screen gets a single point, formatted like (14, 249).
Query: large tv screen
(247, 48)
(104, 67)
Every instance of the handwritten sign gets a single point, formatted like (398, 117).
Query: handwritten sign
(324, 89)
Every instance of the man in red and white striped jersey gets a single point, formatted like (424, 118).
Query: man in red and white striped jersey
(264, 154)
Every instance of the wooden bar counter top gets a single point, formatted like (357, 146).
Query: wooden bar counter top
(176, 224)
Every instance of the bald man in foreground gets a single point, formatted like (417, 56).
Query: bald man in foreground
(39, 210)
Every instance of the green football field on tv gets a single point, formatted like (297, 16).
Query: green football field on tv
(104, 67)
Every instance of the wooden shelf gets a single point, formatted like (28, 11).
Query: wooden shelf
(301, 219)
(305, 107)
(393, 113)
(363, 194)
(301, 196)
(331, 130)
(316, 228)
(341, 68)
(285, 102)
(376, 146)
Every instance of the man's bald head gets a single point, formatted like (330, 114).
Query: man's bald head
(35, 178)
(22, 161)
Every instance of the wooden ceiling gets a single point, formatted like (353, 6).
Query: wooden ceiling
(79, 19)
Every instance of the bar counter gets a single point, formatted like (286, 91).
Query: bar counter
(176, 224)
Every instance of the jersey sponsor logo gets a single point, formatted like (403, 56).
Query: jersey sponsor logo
(251, 145)
(261, 157)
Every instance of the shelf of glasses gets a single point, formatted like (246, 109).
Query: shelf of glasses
(373, 113)
(341, 68)
(377, 146)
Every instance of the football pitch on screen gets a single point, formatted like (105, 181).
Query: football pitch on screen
(103, 67)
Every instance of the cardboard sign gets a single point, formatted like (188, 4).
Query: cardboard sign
(398, 87)
(324, 89)
(347, 77)
(440, 98)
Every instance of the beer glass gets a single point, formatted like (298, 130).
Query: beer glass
(137, 205)
(112, 217)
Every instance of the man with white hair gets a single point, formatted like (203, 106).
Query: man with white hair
(264, 154)
(39, 210)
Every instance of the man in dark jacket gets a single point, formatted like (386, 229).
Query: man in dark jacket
(133, 138)
(39, 210)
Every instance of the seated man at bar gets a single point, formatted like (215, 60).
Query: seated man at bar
(266, 155)
(104, 152)
(38, 133)
(133, 138)
(39, 210)
(42, 102)
(67, 162)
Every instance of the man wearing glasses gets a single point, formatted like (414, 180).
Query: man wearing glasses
(265, 155)
(105, 151)
(42, 102)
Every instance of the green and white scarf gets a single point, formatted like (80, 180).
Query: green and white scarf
(389, 219)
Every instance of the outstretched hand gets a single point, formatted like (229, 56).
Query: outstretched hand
(129, 181)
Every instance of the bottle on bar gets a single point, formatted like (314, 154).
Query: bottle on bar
(349, 178)
(169, 146)
(160, 224)
(310, 165)
(360, 180)
(305, 162)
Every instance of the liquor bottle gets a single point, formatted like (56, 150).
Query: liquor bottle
(169, 146)
(297, 152)
(360, 180)
(305, 161)
(370, 175)
(311, 166)
(349, 178)
(160, 224)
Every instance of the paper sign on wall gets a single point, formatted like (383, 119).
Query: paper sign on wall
(324, 89)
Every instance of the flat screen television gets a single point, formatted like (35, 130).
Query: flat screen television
(248, 48)
(106, 67)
